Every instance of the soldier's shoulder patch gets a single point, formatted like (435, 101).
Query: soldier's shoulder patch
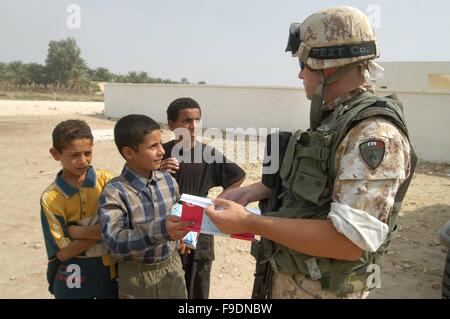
(372, 152)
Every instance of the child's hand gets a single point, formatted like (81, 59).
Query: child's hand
(73, 231)
(183, 248)
(170, 164)
(175, 227)
(84, 232)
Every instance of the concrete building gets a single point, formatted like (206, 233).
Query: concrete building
(421, 87)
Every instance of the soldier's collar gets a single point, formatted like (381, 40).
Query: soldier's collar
(343, 98)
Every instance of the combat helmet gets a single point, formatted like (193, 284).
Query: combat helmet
(339, 36)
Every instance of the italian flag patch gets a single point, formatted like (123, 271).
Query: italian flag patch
(372, 152)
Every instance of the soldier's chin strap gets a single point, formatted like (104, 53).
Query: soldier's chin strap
(315, 113)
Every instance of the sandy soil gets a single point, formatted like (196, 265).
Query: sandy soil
(412, 269)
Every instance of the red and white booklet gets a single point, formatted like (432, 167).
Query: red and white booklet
(194, 209)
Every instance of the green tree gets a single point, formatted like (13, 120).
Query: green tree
(131, 77)
(101, 75)
(143, 77)
(36, 73)
(79, 79)
(16, 73)
(135, 77)
(119, 78)
(169, 81)
(64, 62)
(2, 71)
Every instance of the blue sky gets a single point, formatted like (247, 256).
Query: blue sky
(221, 42)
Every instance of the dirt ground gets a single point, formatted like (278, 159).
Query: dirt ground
(412, 269)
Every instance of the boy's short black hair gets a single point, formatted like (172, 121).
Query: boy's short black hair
(67, 131)
(130, 131)
(179, 104)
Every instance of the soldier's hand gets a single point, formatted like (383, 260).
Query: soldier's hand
(170, 164)
(239, 195)
(176, 227)
(229, 217)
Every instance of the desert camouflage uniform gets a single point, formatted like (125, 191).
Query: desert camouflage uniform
(359, 186)
(297, 286)
(343, 37)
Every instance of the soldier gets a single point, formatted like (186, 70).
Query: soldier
(343, 180)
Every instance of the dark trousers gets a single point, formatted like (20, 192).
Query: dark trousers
(197, 275)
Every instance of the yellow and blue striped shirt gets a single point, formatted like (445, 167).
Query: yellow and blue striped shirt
(63, 205)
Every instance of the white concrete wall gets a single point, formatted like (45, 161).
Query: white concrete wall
(428, 118)
(410, 76)
(223, 106)
(427, 113)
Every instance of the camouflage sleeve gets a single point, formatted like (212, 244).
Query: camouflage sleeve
(371, 163)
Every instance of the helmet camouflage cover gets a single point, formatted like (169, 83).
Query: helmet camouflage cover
(333, 37)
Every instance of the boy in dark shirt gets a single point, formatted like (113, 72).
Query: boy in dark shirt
(196, 176)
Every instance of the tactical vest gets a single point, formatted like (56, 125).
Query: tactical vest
(308, 175)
